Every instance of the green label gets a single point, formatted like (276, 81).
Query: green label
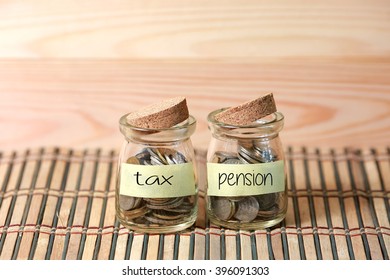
(245, 179)
(157, 181)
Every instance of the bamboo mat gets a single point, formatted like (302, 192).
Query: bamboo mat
(59, 204)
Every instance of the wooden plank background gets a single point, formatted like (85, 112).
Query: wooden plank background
(70, 69)
(194, 28)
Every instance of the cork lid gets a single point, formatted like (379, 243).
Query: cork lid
(247, 113)
(160, 115)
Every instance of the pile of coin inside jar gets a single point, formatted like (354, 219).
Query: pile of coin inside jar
(156, 212)
(243, 209)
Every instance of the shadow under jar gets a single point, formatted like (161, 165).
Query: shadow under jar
(246, 176)
(156, 189)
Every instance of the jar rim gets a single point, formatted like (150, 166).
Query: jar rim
(271, 119)
(190, 121)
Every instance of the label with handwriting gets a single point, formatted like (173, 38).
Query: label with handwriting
(157, 181)
(245, 179)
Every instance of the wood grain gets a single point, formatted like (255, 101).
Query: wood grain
(77, 103)
(194, 29)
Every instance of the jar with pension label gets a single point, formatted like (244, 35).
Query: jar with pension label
(156, 188)
(246, 174)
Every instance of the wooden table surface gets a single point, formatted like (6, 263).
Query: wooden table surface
(77, 103)
(69, 71)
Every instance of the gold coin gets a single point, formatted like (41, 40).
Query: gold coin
(216, 159)
(132, 160)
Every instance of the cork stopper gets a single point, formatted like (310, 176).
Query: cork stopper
(248, 112)
(160, 115)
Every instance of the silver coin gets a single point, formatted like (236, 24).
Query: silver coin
(157, 201)
(247, 155)
(269, 213)
(222, 208)
(225, 155)
(179, 158)
(220, 157)
(136, 212)
(156, 158)
(127, 202)
(155, 161)
(167, 215)
(265, 154)
(159, 221)
(143, 157)
(232, 161)
(236, 198)
(169, 159)
(182, 209)
(173, 203)
(266, 201)
(247, 209)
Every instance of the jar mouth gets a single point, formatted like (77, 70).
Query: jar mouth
(264, 127)
(267, 120)
(179, 131)
(184, 124)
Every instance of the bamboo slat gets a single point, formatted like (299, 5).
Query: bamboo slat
(59, 204)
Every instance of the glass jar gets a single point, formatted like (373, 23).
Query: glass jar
(247, 183)
(156, 190)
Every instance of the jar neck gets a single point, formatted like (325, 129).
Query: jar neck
(265, 128)
(177, 133)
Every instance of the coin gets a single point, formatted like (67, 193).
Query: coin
(127, 202)
(157, 201)
(132, 160)
(265, 154)
(266, 200)
(172, 203)
(236, 198)
(247, 209)
(156, 158)
(222, 156)
(156, 220)
(216, 159)
(169, 158)
(179, 158)
(232, 161)
(182, 209)
(268, 213)
(247, 155)
(137, 212)
(160, 211)
(143, 157)
(222, 208)
(167, 215)
(140, 220)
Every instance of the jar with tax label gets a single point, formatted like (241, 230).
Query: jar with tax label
(156, 189)
(246, 177)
